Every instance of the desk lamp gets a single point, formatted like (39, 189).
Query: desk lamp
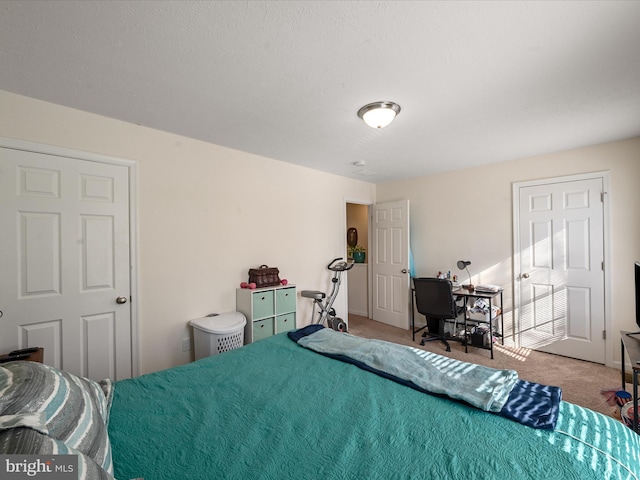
(462, 265)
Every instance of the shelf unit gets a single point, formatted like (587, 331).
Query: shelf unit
(492, 321)
(630, 341)
(268, 311)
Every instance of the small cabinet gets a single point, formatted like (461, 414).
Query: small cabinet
(269, 311)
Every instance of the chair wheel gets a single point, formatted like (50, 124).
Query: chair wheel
(422, 343)
(448, 349)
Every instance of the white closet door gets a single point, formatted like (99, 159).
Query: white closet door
(65, 260)
(390, 263)
(561, 278)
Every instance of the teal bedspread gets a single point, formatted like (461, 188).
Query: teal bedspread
(276, 410)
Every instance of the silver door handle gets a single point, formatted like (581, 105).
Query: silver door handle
(404, 270)
(525, 275)
(121, 300)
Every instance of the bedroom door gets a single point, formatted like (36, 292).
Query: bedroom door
(559, 270)
(65, 261)
(390, 263)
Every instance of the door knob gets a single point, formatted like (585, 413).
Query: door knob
(404, 270)
(525, 275)
(121, 300)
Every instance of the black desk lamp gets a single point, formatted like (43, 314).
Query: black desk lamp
(462, 265)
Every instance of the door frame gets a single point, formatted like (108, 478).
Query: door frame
(131, 166)
(515, 280)
(345, 284)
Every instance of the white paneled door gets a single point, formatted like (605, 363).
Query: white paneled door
(390, 263)
(560, 270)
(65, 262)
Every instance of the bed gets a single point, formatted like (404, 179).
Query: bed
(277, 409)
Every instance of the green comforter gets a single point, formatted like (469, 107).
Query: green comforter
(273, 409)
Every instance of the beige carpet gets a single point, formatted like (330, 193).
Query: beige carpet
(581, 381)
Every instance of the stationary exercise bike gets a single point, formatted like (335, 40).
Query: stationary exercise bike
(326, 311)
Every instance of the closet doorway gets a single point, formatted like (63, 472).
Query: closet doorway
(357, 228)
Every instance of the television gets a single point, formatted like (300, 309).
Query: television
(636, 269)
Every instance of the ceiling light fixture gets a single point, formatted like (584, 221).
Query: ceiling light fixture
(379, 114)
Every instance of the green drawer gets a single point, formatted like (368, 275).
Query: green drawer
(285, 322)
(262, 304)
(285, 300)
(262, 329)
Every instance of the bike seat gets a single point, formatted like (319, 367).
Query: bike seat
(315, 294)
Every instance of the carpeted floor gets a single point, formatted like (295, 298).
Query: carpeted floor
(581, 382)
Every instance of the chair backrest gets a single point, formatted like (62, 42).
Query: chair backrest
(434, 297)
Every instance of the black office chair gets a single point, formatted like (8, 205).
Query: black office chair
(435, 300)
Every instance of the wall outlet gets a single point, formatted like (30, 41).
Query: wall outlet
(186, 344)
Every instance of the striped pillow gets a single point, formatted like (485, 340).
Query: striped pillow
(36, 421)
(75, 409)
(25, 441)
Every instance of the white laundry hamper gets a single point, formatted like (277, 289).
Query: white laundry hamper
(217, 334)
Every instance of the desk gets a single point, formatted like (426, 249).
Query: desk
(465, 295)
(490, 296)
(632, 345)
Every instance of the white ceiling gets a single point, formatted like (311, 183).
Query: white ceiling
(478, 82)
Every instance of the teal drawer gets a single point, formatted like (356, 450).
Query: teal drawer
(262, 304)
(262, 329)
(285, 322)
(285, 300)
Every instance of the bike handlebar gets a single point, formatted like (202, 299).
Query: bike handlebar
(340, 266)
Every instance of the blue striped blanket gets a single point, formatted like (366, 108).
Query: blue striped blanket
(497, 391)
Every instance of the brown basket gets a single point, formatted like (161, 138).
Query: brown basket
(264, 276)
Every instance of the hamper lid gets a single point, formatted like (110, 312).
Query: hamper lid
(223, 323)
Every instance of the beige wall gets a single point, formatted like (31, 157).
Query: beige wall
(467, 215)
(206, 214)
(201, 228)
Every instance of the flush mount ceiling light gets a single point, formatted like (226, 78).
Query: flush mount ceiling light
(379, 114)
